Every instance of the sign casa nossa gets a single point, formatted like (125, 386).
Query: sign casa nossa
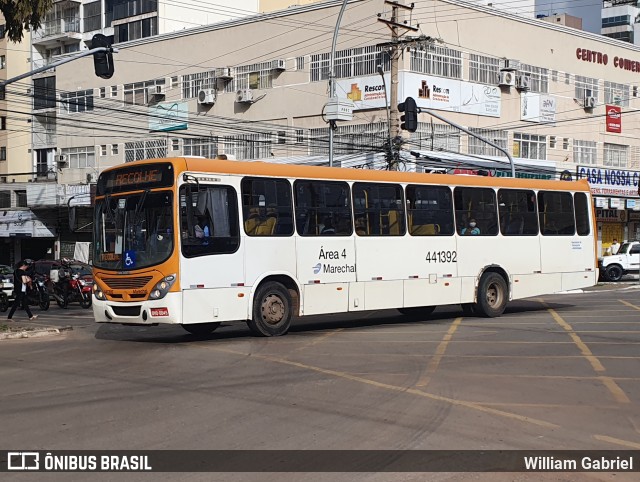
(610, 182)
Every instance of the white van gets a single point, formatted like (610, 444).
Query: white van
(626, 260)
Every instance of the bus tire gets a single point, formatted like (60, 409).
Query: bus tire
(417, 311)
(493, 295)
(271, 310)
(201, 329)
(614, 272)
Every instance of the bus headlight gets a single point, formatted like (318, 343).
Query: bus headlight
(98, 292)
(162, 287)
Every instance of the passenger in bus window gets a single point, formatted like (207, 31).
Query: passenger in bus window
(472, 229)
(327, 228)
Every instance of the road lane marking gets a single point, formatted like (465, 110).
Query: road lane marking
(318, 340)
(615, 390)
(617, 441)
(432, 367)
(629, 304)
(395, 388)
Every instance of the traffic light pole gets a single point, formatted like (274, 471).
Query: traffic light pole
(56, 64)
(463, 129)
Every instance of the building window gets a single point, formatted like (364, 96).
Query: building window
(192, 83)
(436, 137)
(437, 60)
(585, 87)
(103, 150)
(21, 199)
(616, 155)
(103, 92)
(79, 101)
(565, 143)
(349, 139)
(3, 61)
(299, 136)
(254, 76)
(147, 149)
(299, 63)
(349, 63)
(136, 94)
(114, 91)
(552, 142)
(114, 149)
(3, 153)
(624, 36)
(80, 157)
(131, 8)
(44, 93)
(479, 147)
(617, 94)
(5, 199)
(3, 123)
(175, 144)
(247, 146)
(92, 16)
(200, 146)
(483, 69)
(539, 78)
(585, 152)
(529, 146)
(3, 30)
(281, 137)
(616, 21)
(144, 28)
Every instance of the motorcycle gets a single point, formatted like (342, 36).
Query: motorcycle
(37, 293)
(79, 290)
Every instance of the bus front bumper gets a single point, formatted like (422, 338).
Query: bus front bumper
(148, 312)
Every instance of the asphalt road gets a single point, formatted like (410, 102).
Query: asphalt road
(559, 372)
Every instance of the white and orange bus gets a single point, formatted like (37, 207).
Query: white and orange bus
(196, 242)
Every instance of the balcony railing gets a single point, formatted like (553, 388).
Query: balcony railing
(61, 26)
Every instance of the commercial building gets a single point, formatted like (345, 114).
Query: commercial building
(561, 100)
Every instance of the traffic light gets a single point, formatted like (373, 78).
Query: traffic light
(410, 117)
(102, 61)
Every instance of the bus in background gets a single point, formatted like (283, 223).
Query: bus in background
(197, 242)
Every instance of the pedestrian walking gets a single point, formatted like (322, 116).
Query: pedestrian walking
(21, 281)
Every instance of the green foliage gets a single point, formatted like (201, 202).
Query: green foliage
(21, 15)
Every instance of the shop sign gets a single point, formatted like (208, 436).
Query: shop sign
(611, 215)
(615, 203)
(634, 216)
(631, 203)
(366, 92)
(601, 202)
(168, 116)
(614, 119)
(537, 107)
(610, 182)
(24, 224)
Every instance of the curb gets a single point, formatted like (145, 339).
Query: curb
(37, 333)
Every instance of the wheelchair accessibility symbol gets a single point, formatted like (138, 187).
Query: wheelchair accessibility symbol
(129, 259)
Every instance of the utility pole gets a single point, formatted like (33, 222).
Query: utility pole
(395, 48)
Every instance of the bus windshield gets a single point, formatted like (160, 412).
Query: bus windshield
(133, 231)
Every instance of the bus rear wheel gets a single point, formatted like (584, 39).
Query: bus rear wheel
(271, 310)
(201, 329)
(417, 311)
(493, 295)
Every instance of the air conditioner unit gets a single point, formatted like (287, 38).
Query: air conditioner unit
(589, 101)
(279, 64)
(509, 64)
(225, 73)
(156, 91)
(244, 96)
(207, 96)
(523, 82)
(506, 78)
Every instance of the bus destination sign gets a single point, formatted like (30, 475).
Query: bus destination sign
(135, 178)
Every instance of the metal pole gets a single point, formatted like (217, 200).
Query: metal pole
(463, 129)
(332, 75)
(55, 64)
(384, 85)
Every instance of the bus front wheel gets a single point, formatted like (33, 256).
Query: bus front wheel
(201, 329)
(271, 310)
(493, 295)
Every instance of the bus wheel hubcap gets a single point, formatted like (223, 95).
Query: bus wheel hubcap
(493, 295)
(272, 309)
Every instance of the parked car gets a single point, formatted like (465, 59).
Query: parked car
(626, 260)
(6, 286)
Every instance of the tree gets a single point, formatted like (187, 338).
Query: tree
(21, 15)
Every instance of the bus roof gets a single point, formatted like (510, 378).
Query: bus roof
(260, 168)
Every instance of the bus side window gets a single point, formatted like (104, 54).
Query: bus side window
(517, 209)
(477, 203)
(556, 213)
(582, 213)
(322, 208)
(430, 210)
(380, 209)
(267, 207)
